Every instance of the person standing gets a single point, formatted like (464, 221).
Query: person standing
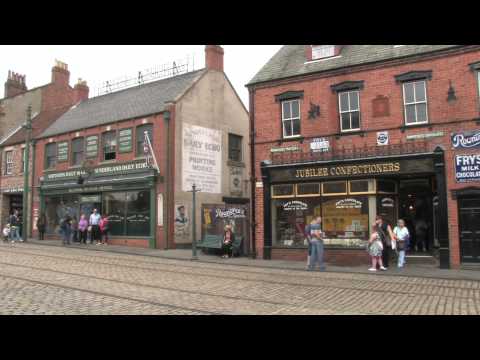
(95, 224)
(104, 228)
(401, 234)
(375, 249)
(228, 240)
(421, 231)
(317, 245)
(307, 233)
(386, 235)
(66, 228)
(41, 226)
(82, 229)
(75, 230)
(14, 227)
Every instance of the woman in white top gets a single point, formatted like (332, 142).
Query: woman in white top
(401, 236)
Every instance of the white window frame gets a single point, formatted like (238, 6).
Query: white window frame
(332, 47)
(9, 164)
(478, 83)
(291, 119)
(415, 102)
(349, 111)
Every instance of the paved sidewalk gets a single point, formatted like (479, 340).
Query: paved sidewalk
(417, 270)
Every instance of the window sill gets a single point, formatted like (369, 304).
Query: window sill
(291, 139)
(416, 126)
(235, 163)
(75, 167)
(350, 133)
(105, 162)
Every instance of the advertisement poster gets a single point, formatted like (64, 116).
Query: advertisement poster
(467, 140)
(202, 159)
(467, 168)
(182, 223)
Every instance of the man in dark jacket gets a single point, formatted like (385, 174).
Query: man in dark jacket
(14, 221)
(66, 228)
(386, 235)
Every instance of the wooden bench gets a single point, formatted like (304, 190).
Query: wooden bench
(214, 242)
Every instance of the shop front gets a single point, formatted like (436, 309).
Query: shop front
(348, 195)
(125, 193)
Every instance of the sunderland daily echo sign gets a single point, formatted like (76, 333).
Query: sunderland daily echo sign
(202, 159)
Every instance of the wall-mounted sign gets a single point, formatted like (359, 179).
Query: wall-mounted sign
(467, 168)
(320, 145)
(62, 151)
(230, 213)
(259, 184)
(236, 181)
(160, 209)
(387, 202)
(348, 204)
(382, 138)
(284, 149)
(425, 136)
(12, 190)
(467, 140)
(202, 159)
(125, 140)
(91, 146)
(90, 199)
(295, 205)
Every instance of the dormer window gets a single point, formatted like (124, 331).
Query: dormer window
(322, 51)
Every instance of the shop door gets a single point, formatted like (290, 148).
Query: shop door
(469, 215)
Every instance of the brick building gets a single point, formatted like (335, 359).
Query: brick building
(349, 132)
(47, 103)
(93, 156)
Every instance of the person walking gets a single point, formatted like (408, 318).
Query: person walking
(307, 233)
(74, 230)
(94, 222)
(375, 249)
(41, 226)
(402, 236)
(104, 228)
(14, 227)
(82, 229)
(386, 235)
(316, 235)
(228, 240)
(421, 231)
(66, 228)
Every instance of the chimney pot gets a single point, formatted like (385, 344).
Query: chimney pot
(214, 57)
(15, 84)
(60, 73)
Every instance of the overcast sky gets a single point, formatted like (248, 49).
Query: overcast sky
(99, 63)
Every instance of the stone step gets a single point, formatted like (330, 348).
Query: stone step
(421, 259)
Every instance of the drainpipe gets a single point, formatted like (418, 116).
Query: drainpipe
(253, 223)
(33, 187)
(166, 185)
(28, 127)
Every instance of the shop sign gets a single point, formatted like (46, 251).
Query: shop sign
(91, 189)
(284, 149)
(467, 168)
(320, 145)
(467, 140)
(425, 136)
(387, 202)
(393, 167)
(62, 151)
(202, 159)
(382, 138)
(12, 190)
(125, 140)
(102, 170)
(348, 204)
(91, 149)
(295, 205)
(230, 213)
(90, 199)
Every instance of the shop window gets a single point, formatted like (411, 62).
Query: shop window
(308, 189)
(284, 190)
(289, 218)
(77, 151)
(291, 118)
(113, 205)
(345, 221)
(334, 188)
(361, 186)
(50, 156)
(386, 186)
(140, 133)
(415, 102)
(57, 208)
(234, 147)
(9, 162)
(349, 105)
(109, 141)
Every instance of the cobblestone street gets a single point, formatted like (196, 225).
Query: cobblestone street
(37, 279)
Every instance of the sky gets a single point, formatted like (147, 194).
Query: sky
(99, 63)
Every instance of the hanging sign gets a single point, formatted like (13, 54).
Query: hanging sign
(467, 140)
(467, 168)
(62, 151)
(382, 138)
(125, 140)
(92, 146)
(320, 145)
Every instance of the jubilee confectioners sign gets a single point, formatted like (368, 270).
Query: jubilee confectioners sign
(467, 168)
(467, 140)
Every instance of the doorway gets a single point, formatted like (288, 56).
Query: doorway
(469, 225)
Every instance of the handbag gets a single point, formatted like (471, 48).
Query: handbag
(89, 228)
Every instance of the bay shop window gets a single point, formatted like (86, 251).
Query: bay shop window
(347, 209)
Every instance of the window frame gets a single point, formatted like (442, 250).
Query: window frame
(291, 119)
(293, 194)
(349, 111)
(72, 155)
(240, 148)
(53, 145)
(323, 194)
(137, 153)
(415, 102)
(6, 172)
(333, 47)
(116, 144)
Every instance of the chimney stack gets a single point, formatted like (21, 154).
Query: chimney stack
(60, 73)
(80, 91)
(214, 57)
(15, 84)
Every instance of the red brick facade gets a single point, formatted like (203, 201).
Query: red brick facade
(381, 107)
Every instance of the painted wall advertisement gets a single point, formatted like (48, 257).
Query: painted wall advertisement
(467, 140)
(467, 168)
(182, 223)
(202, 159)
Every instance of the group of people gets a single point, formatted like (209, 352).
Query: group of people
(11, 231)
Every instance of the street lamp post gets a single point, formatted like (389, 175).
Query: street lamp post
(194, 236)
(25, 213)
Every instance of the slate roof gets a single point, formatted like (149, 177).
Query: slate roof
(126, 104)
(290, 59)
